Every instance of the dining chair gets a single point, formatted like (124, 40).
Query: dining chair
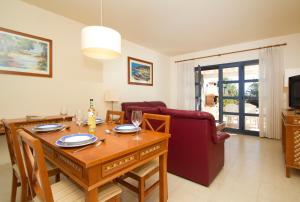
(116, 117)
(155, 123)
(64, 190)
(19, 177)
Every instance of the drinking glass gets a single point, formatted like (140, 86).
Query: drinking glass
(79, 118)
(63, 113)
(136, 119)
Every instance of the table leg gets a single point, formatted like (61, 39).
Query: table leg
(163, 177)
(287, 171)
(92, 195)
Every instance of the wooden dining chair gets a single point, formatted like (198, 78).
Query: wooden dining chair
(156, 123)
(18, 171)
(19, 177)
(116, 117)
(64, 190)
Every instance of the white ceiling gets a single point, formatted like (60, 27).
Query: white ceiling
(175, 27)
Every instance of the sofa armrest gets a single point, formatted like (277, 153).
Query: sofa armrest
(220, 137)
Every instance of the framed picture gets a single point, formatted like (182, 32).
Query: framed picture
(25, 54)
(140, 72)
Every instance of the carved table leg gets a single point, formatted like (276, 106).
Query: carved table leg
(92, 195)
(163, 178)
(287, 171)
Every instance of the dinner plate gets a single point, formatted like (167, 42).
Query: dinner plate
(76, 140)
(126, 128)
(48, 127)
(98, 121)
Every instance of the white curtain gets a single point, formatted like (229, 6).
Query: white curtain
(270, 92)
(186, 85)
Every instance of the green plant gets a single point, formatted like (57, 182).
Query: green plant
(230, 89)
(252, 94)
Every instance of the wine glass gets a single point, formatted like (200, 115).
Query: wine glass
(136, 119)
(63, 113)
(79, 119)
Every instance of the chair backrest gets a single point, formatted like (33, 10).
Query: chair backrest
(35, 166)
(156, 122)
(111, 116)
(15, 151)
(13, 142)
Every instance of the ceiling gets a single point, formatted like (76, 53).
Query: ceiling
(175, 27)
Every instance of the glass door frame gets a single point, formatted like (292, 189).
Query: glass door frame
(241, 93)
(198, 82)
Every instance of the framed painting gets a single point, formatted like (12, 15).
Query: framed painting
(140, 72)
(25, 54)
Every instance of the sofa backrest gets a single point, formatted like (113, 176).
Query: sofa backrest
(127, 107)
(192, 133)
(150, 110)
(155, 104)
(200, 123)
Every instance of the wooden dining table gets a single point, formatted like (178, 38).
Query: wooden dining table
(96, 165)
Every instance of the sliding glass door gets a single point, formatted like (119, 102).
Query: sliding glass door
(230, 93)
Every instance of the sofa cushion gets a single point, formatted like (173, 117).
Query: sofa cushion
(155, 104)
(150, 110)
(187, 114)
(125, 106)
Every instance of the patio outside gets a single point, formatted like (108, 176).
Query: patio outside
(210, 96)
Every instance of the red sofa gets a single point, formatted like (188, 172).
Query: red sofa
(196, 149)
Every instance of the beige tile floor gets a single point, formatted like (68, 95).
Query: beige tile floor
(253, 172)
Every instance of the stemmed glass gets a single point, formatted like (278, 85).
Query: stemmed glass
(136, 119)
(64, 113)
(79, 119)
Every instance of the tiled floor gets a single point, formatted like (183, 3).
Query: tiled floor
(253, 171)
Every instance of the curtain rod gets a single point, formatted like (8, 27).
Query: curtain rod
(240, 51)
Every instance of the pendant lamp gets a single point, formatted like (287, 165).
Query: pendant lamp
(100, 42)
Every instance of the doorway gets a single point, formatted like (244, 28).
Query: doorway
(230, 93)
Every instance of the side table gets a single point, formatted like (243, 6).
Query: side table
(220, 126)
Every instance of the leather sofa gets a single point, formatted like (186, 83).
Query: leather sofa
(196, 149)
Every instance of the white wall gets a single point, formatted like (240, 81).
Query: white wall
(75, 77)
(115, 75)
(291, 57)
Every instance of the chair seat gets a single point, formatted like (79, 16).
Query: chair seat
(146, 168)
(65, 191)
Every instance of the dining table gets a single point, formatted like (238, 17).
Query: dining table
(97, 164)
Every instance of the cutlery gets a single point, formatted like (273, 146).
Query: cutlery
(64, 128)
(107, 131)
(100, 140)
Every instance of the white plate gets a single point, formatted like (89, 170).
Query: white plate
(48, 127)
(61, 143)
(98, 121)
(126, 128)
(76, 138)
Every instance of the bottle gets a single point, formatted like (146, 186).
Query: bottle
(92, 118)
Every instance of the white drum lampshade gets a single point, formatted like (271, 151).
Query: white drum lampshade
(100, 42)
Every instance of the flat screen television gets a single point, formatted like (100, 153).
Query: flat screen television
(294, 92)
